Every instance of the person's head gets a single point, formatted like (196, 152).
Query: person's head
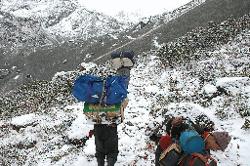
(217, 140)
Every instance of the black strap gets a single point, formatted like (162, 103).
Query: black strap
(103, 96)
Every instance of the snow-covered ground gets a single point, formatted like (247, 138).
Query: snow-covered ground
(39, 126)
(42, 138)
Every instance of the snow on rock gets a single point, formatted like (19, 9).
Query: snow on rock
(227, 81)
(79, 128)
(16, 77)
(23, 120)
(88, 66)
(210, 89)
(233, 84)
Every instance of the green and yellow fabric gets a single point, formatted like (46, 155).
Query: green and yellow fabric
(101, 114)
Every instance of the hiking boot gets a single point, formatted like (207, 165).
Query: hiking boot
(122, 59)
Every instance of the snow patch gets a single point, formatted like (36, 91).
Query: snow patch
(22, 13)
(16, 77)
(23, 120)
(229, 80)
(209, 89)
(130, 37)
(88, 66)
(79, 128)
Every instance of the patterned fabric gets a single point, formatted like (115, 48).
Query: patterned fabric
(98, 114)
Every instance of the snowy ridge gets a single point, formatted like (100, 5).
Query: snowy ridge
(25, 24)
(38, 23)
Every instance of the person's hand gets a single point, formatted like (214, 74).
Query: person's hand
(91, 133)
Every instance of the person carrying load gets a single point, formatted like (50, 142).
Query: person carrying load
(105, 98)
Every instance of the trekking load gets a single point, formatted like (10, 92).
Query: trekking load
(187, 151)
(187, 144)
(100, 114)
(198, 159)
(165, 141)
(191, 142)
(217, 140)
(97, 90)
(122, 59)
(105, 98)
(171, 155)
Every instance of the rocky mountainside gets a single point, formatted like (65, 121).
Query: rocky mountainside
(44, 125)
(29, 26)
(203, 74)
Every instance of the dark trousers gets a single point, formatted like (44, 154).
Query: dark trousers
(106, 141)
(158, 152)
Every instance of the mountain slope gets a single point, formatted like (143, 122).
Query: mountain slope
(42, 118)
(211, 10)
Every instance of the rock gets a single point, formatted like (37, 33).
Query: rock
(246, 125)
(23, 121)
(4, 73)
(209, 89)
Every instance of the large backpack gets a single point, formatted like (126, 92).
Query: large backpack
(96, 90)
(191, 142)
(197, 159)
(170, 156)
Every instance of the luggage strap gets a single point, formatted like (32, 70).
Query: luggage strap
(206, 159)
(171, 147)
(103, 96)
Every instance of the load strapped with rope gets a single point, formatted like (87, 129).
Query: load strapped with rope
(105, 98)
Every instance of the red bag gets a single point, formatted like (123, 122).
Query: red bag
(165, 142)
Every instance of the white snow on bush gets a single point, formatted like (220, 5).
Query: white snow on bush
(79, 128)
(209, 89)
(233, 85)
(229, 81)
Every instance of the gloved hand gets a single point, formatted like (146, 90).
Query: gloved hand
(91, 133)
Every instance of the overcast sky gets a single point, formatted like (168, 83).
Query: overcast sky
(143, 7)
